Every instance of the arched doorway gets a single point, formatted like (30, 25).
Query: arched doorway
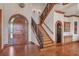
(58, 32)
(18, 30)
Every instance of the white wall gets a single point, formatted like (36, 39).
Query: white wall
(76, 36)
(8, 11)
(34, 38)
(36, 17)
(1, 7)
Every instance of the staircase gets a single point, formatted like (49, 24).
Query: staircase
(46, 11)
(47, 42)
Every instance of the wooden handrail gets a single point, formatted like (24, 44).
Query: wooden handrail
(46, 11)
(48, 28)
(39, 34)
(36, 36)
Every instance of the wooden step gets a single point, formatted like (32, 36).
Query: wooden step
(45, 35)
(48, 42)
(48, 48)
(48, 45)
(46, 39)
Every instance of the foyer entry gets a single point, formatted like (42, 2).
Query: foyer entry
(58, 32)
(18, 30)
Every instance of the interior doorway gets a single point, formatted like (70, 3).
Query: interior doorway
(18, 30)
(58, 31)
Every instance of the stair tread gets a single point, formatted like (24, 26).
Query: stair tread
(45, 35)
(47, 42)
(47, 45)
(47, 48)
(46, 38)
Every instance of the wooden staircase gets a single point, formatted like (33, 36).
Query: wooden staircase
(46, 11)
(47, 41)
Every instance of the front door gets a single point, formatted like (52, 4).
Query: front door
(19, 31)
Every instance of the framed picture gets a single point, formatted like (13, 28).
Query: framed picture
(66, 26)
(75, 27)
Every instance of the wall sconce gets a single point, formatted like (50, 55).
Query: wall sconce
(39, 12)
(21, 5)
(34, 11)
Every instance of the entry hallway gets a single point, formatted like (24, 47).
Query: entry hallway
(32, 50)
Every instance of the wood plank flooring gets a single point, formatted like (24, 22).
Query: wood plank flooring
(32, 50)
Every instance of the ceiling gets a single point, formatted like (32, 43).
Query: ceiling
(71, 9)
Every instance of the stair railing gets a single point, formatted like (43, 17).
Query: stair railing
(39, 34)
(46, 11)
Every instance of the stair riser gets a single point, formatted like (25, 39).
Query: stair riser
(48, 42)
(46, 45)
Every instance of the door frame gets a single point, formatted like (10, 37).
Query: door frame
(14, 16)
(1, 29)
(56, 31)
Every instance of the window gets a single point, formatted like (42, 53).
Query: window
(75, 27)
(11, 27)
(11, 33)
(66, 26)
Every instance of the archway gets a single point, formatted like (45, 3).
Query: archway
(58, 32)
(18, 30)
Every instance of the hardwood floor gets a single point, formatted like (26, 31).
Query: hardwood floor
(32, 50)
